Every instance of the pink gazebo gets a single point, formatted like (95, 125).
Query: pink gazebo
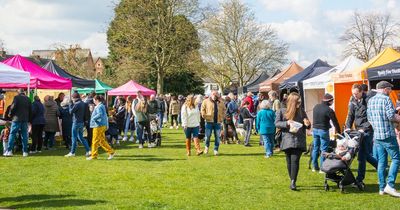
(130, 89)
(39, 78)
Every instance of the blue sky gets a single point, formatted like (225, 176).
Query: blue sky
(311, 27)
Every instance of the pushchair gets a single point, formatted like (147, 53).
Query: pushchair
(155, 129)
(339, 171)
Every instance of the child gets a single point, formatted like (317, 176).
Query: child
(4, 136)
(112, 131)
(342, 150)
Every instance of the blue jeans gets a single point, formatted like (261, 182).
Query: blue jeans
(320, 144)
(210, 127)
(268, 143)
(128, 126)
(383, 148)
(364, 155)
(161, 118)
(77, 134)
(15, 128)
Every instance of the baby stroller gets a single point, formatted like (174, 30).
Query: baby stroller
(155, 130)
(337, 170)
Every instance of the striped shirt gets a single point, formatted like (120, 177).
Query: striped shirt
(380, 113)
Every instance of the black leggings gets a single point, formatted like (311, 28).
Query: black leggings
(293, 161)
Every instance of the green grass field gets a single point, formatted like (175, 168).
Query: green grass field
(164, 178)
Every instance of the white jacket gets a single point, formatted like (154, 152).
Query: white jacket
(190, 117)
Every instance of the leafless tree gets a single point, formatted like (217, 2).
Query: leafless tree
(236, 48)
(368, 34)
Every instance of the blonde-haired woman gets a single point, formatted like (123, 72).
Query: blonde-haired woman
(293, 140)
(191, 122)
(142, 117)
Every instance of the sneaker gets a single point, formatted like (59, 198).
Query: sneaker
(32, 152)
(391, 191)
(137, 141)
(176, 127)
(89, 158)
(25, 154)
(215, 152)
(39, 151)
(131, 139)
(87, 154)
(171, 127)
(205, 150)
(69, 155)
(111, 156)
(321, 172)
(381, 192)
(313, 170)
(9, 154)
(140, 146)
(125, 138)
(119, 137)
(267, 156)
(151, 145)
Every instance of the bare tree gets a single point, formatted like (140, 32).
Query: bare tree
(368, 34)
(236, 48)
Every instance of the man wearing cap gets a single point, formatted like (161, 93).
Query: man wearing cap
(381, 115)
(357, 115)
(322, 115)
(21, 113)
(77, 109)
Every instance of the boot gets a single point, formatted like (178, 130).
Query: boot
(188, 147)
(293, 185)
(197, 146)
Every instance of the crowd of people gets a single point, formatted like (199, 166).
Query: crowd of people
(281, 125)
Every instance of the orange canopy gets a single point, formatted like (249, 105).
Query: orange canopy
(388, 55)
(274, 82)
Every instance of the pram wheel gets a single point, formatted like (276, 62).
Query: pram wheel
(326, 186)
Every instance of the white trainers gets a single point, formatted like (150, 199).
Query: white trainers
(111, 156)
(119, 137)
(391, 191)
(69, 155)
(9, 154)
(151, 145)
(25, 154)
(176, 127)
(89, 158)
(140, 146)
(32, 152)
(321, 172)
(381, 192)
(125, 138)
(131, 139)
(216, 152)
(171, 127)
(87, 154)
(205, 150)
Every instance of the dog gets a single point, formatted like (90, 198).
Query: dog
(240, 130)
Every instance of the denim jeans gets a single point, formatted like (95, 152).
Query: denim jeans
(161, 118)
(364, 155)
(128, 126)
(140, 132)
(320, 144)
(268, 143)
(383, 148)
(15, 128)
(210, 127)
(77, 134)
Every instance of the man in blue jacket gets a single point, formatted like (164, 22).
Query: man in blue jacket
(77, 109)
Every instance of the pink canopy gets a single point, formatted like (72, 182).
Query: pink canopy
(40, 78)
(130, 89)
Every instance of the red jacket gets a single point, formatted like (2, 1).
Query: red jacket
(251, 104)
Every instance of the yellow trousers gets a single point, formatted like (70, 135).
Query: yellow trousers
(99, 139)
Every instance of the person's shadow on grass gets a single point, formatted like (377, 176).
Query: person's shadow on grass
(43, 201)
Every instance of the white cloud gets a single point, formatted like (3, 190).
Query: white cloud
(338, 16)
(38, 24)
(300, 7)
(97, 42)
(295, 30)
